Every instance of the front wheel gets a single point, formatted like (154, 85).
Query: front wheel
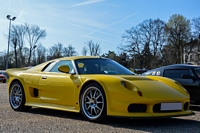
(17, 97)
(93, 103)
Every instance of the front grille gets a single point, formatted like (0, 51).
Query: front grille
(137, 108)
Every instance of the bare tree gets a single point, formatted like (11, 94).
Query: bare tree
(56, 51)
(132, 44)
(84, 51)
(33, 35)
(168, 54)
(41, 53)
(14, 41)
(25, 52)
(94, 49)
(69, 51)
(22, 32)
(144, 42)
(17, 38)
(2, 60)
(158, 41)
(196, 26)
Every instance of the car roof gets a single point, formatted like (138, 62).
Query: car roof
(176, 66)
(78, 57)
(41, 66)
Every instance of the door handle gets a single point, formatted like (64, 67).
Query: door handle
(44, 77)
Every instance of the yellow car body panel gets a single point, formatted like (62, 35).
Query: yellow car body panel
(62, 91)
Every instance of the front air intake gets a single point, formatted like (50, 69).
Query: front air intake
(186, 106)
(137, 108)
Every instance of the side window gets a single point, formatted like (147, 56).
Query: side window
(62, 62)
(48, 67)
(176, 73)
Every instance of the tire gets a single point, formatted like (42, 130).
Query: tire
(93, 103)
(17, 97)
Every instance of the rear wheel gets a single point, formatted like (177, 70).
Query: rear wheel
(93, 103)
(17, 97)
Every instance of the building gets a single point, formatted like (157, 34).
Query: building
(192, 52)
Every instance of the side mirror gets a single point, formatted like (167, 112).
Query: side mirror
(186, 76)
(64, 69)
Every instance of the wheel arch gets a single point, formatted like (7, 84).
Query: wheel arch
(22, 106)
(87, 83)
(15, 80)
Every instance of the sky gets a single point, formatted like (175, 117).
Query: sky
(76, 22)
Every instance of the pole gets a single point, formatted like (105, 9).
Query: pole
(8, 45)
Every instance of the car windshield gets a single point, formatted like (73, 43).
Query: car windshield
(101, 66)
(197, 71)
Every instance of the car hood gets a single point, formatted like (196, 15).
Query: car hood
(161, 88)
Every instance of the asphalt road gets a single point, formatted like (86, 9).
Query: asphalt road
(45, 120)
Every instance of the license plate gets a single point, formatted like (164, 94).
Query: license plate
(170, 106)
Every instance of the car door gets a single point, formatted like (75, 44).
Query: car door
(56, 87)
(176, 74)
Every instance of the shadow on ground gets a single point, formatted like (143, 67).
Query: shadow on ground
(180, 124)
(195, 107)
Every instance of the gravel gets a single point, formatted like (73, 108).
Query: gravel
(47, 121)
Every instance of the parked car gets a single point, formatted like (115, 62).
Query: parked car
(138, 71)
(185, 74)
(4, 73)
(2, 77)
(97, 87)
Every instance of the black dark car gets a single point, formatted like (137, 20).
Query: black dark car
(138, 70)
(187, 75)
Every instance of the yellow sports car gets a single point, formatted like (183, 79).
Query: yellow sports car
(97, 87)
